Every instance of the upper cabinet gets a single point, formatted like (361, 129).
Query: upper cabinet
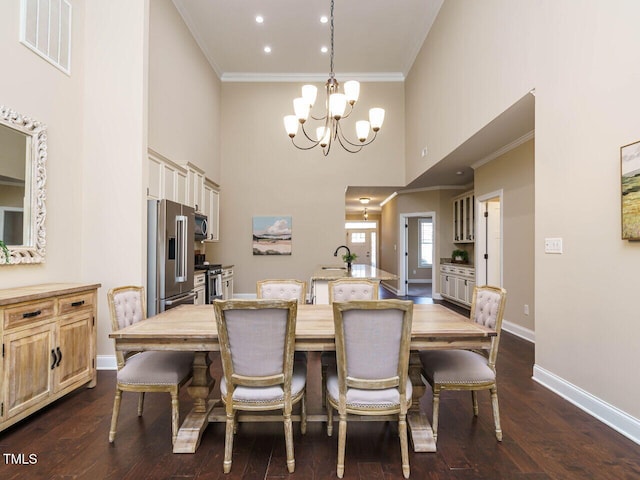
(167, 180)
(188, 185)
(211, 204)
(195, 187)
(464, 218)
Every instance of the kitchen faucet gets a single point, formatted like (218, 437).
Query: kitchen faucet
(335, 254)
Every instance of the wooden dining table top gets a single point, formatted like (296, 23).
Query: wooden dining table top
(193, 328)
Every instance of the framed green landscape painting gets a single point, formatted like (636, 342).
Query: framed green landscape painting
(630, 166)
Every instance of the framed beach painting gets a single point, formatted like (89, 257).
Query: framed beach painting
(272, 235)
(630, 167)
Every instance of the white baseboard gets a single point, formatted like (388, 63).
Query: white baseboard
(106, 362)
(388, 287)
(436, 296)
(599, 409)
(518, 331)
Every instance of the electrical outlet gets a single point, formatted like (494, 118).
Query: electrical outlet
(526, 309)
(414, 272)
(553, 245)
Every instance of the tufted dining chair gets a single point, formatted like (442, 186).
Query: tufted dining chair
(373, 340)
(282, 290)
(257, 342)
(345, 290)
(149, 371)
(348, 289)
(466, 369)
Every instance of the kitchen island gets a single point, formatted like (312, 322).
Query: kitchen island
(326, 273)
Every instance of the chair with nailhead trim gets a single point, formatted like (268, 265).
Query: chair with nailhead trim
(371, 378)
(257, 341)
(282, 290)
(149, 371)
(345, 290)
(467, 369)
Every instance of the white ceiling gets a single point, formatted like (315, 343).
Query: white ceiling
(374, 40)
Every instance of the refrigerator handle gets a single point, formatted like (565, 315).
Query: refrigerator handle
(181, 254)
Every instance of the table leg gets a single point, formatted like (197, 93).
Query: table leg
(202, 383)
(419, 426)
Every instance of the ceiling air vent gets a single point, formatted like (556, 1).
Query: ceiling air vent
(45, 28)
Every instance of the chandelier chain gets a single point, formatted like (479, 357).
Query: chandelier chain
(332, 38)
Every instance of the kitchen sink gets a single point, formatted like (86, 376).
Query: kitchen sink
(334, 268)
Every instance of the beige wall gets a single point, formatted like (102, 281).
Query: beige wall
(113, 221)
(33, 87)
(429, 200)
(184, 94)
(263, 174)
(480, 58)
(513, 174)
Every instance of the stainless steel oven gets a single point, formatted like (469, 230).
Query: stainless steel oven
(213, 281)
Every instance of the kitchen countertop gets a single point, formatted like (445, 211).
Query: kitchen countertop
(335, 272)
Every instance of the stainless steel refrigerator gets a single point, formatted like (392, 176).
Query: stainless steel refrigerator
(170, 237)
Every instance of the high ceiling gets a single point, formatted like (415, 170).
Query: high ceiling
(374, 40)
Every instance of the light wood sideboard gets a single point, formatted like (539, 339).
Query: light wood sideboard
(48, 335)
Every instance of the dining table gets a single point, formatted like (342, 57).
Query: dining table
(193, 328)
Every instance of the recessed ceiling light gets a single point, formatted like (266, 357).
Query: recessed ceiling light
(324, 49)
(324, 19)
(259, 19)
(267, 49)
(459, 172)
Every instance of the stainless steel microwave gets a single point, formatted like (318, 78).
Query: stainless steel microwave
(200, 226)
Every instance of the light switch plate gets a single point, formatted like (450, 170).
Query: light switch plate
(553, 245)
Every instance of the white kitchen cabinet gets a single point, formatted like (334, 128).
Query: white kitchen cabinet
(212, 210)
(195, 187)
(227, 283)
(199, 288)
(464, 218)
(167, 180)
(457, 283)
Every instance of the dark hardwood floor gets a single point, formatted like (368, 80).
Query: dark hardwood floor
(545, 437)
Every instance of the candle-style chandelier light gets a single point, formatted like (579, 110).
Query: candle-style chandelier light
(330, 129)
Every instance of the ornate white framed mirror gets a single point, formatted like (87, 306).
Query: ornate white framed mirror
(23, 155)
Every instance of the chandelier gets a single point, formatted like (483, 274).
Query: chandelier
(328, 128)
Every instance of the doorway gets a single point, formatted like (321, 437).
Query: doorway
(362, 240)
(417, 240)
(489, 240)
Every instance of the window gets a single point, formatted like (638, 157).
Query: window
(426, 242)
(358, 237)
(46, 29)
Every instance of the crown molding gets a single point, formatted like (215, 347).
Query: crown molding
(501, 151)
(309, 77)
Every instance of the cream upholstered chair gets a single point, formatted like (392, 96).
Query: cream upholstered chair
(373, 339)
(282, 289)
(348, 289)
(257, 341)
(466, 369)
(345, 290)
(150, 371)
